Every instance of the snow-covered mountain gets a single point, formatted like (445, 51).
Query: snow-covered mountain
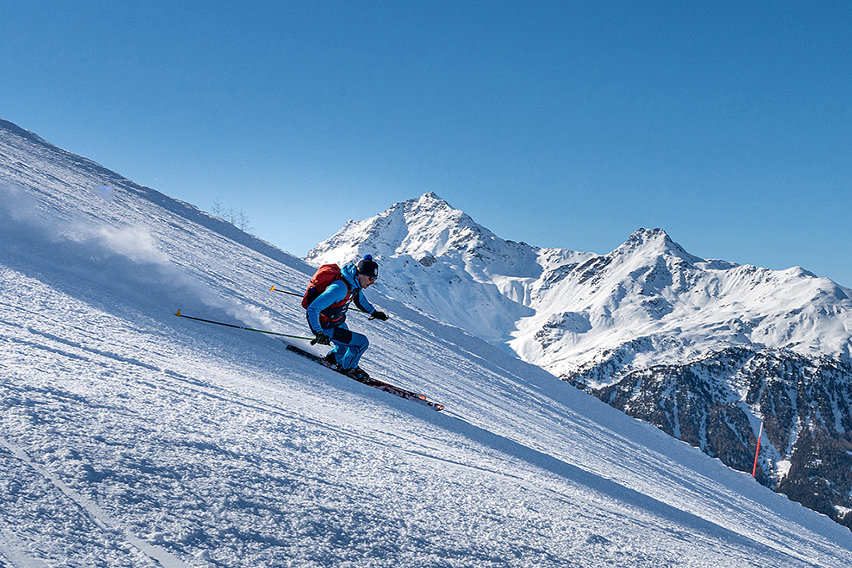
(439, 260)
(564, 310)
(130, 437)
(604, 322)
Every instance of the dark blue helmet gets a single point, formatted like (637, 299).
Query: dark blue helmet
(368, 267)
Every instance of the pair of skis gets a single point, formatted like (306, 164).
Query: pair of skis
(381, 385)
(370, 381)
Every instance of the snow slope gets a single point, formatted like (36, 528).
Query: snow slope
(130, 437)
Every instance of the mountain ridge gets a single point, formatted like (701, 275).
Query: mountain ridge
(649, 272)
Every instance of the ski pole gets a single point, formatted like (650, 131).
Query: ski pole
(274, 289)
(180, 315)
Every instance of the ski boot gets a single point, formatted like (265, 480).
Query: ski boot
(357, 373)
(331, 361)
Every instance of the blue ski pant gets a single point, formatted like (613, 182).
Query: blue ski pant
(348, 346)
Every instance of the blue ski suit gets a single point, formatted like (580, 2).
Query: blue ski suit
(348, 345)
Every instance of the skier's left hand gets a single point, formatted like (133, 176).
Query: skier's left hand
(380, 315)
(322, 339)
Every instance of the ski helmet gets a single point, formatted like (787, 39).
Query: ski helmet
(368, 267)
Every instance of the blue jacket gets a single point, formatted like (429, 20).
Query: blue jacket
(334, 293)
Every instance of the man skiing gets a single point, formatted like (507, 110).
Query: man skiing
(326, 305)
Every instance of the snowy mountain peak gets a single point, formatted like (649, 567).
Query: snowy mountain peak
(653, 243)
(422, 229)
(650, 237)
(436, 227)
(438, 259)
(430, 199)
(428, 204)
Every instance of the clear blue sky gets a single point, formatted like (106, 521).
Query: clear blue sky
(566, 124)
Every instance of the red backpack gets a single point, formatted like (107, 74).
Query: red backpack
(325, 275)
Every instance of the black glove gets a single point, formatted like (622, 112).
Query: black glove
(380, 315)
(321, 338)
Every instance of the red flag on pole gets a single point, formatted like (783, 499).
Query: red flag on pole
(757, 451)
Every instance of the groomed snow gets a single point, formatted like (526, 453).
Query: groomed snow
(130, 437)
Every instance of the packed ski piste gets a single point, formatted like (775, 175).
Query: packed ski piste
(327, 299)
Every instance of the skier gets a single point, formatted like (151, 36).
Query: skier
(326, 306)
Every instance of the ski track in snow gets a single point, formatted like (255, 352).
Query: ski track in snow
(98, 517)
(130, 437)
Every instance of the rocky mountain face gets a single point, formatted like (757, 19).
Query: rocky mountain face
(715, 404)
(703, 349)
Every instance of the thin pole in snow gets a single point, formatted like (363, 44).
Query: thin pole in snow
(180, 315)
(759, 435)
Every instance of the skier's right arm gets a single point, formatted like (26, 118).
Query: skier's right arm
(335, 292)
